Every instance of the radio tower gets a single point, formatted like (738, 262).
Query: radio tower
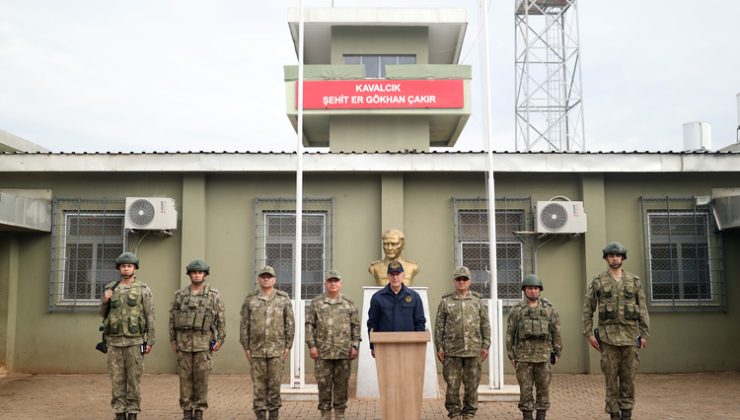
(548, 98)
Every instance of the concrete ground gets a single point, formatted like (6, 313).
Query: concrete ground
(672, 396)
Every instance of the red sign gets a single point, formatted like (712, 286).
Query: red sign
(374, 94)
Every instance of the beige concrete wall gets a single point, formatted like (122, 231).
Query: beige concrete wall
(8, 241)
(64, 342)
(692, 341)
(379, 133)
(429, 203)
(386, 40)
(230, 238)
(230, 248)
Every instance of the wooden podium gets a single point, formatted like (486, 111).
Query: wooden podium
(399, 358)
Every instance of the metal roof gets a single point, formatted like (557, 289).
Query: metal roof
(409, 161)
(9, 142)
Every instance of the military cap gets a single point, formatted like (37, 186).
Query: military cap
(333, 274)
(266, 270)
(461, 271)
(395, 267)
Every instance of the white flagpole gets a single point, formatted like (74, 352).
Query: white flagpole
(297, 355)
(495, 361)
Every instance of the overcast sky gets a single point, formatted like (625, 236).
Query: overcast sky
(95, 76)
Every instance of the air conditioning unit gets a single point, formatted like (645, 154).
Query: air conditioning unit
(150, 213)
(560, 217)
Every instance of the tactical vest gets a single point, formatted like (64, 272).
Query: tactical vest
(611, 297)
(194, 313)
(126, 317)
(534, 323)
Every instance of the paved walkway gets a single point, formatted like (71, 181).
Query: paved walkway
(676, 396)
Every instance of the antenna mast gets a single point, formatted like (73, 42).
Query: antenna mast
(548, 97)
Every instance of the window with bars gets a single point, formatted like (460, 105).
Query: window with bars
(472, 247)
(683, 255)
(375, 64)
(276, 240)
(87, 236)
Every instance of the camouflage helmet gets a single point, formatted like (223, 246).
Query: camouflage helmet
(198, 265)
(127, 258)
(532, 280)
(615, 248)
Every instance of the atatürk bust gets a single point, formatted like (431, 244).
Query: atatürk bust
(393, 241)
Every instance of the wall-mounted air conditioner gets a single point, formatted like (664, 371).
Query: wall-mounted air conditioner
(560, 217)
(150, 213)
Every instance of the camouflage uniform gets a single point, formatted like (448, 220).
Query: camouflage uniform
(333, 327)
(623, 316)
(532, 336)
(129, 324)
(196, 321)
(267, 328)
(462, 329)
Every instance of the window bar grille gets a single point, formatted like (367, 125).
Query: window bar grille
(696, 279)
(317, 250)
(512, 214)
(83, 235)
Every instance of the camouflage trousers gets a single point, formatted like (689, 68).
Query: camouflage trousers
(194, 369)
(266, 375)
(332, 377)
(536, 375)
(125, 366)
(461, 371)
(619, 365)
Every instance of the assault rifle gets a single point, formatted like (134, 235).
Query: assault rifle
(102, 346)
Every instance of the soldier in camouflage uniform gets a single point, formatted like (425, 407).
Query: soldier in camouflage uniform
(266, 333)
(462, 336)
(624, 326)
(129, 333)
(533, 343)
(197, 327)
(333, 339)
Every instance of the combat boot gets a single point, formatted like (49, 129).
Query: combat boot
(325, 414)
(626, 414)
(541, 414)
(339, 414)
(261, 415)
(197, 414)
(187, 414)
(614, 416)
(132, 416)
(527, 415)
(120, 416)
(274, 414)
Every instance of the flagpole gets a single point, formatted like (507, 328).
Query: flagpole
(495, 362)
(297, 356)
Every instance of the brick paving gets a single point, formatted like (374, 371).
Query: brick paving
(670, 396)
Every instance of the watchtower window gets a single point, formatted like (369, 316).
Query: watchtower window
(375, 64)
